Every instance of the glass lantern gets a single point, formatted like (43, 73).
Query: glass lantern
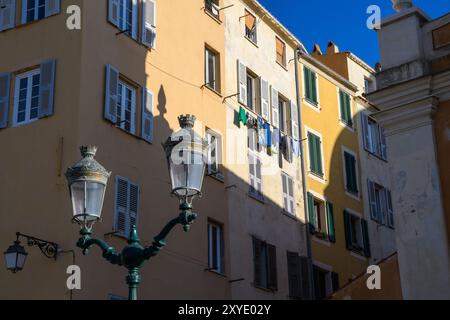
(15, 257)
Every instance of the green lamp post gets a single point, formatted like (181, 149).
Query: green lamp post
(185, 152)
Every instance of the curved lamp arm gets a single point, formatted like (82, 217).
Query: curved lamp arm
(109, 253)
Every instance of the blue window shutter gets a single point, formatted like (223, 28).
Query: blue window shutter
(365, 131)
(24, 7)
(133, 206)
(330, 222)
(134, 20)
(113, 12)
(5, 81)
(390, 212)
(7, 15)
(147, 115)
(372, 201)
(47, 88)
(148, 34)
(111, 95)
(52, 7)
(365, 231)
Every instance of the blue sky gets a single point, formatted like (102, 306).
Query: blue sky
(343, 21)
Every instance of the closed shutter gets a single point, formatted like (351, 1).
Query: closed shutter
(257, 262)
(305, 271)
(342, 105)
(133, 206)
(383, 144)
(366, 132)
(312, 219)
(335, 281)
(275, 109)
(345, 107)
(316, 281)
(149, 23)
(5, 81)
(307, 83)
(372, 201)
(330, 222)
(294, 120)
(252, 172)
(390, 209)
(290, 183)
(52, 7)
(348, 230)
(47, 88)
(121, 206)
(7, 14)
(113, 12)
(315, 154)
(350, 172)
(242, 83)
(272, 264)
(265, 99)
(111, 93)
(365, 231)
(294, 275)
(314, 87)
(147, 115)
(134, 19)
(258, 176)
(285, 192)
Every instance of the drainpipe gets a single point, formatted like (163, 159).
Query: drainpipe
(297, 54)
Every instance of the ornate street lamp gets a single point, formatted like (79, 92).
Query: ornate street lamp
(87, 179)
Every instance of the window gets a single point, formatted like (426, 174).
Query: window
(367, 85)
(280, 51)
(126, 206)
(212, 70)
(310, 79)
(298, 276)
(325, 282)
(356, 234)
(7, 14)
(255, 176)
(315, 154)
(345, 107)
(252, 85)
(33, 10)
(288, 193)
(126, 107)
(321, 218)
(380, 200)
(265, 265)
(250, 27)
(215, 247)
(285, 115)
(123, 14)
(374, 137)
(350, 173)
(212, 6)
(214, 152)
(26, 104)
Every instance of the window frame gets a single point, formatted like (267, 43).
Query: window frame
(218, 158)
(251, 35)
(306, 100)
(350, 124)
(210, 6)
(209, 52)
(219, 247)
(133, 112)
(26, 9)
(311, 173)
(265, 264)
(354, 194)
(287, 198)
(283, 63)
(29, 76)
(252, 90)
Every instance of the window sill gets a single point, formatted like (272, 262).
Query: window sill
(264, 289)
(355, 196)
(251, 41)
(256, 197)
(213, 91)
(358, 255)
(375, 155)
(321, 241)
(315, 176)
(217, 273)
(347, 126)
(315, 107)
(212, 16)
(282, 65)
(217, 176)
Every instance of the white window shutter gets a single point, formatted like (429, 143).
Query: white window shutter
(133, 207)
(47, 88)
(121, 206)
(52, 7)
(113, 12)
(372, 201)
(7, 14)
(111, 87)
(366, 137)
(148, 23)
(242, 82)
(147, 115)
(290, 184)
(252, 171)
(5, 80)
(258, 176)
(275, 108)
(285, 192)
(265, 99)
(294, 120)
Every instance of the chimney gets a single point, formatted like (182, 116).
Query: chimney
(316, 51)
(402, 5)
(332, 48)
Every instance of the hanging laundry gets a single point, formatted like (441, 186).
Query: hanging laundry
(243, 116)
(261, 134)
(296, 147)
(276, 140)
(287, 149)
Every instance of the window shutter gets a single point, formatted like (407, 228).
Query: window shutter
(365, 231)
(285, 192)
(383, 144)
(342, 105)
(242, 83)
(272, 263)
(348, 230)
(365, 125)
(147, 115)
(291, 201)
(350, 172)
(330, 222)
(311, 214)
(149, 23)
(258, 176)
(47, 88)
(133, 206)
(294, 275)
(305, 278)
(134, 19)
(5, 81)
(257, 262)
(113, 12)
(312, 152)
(348, 110)
(307, 81)
(316, 282)
(390, 209)
(222, 251)
(315, 154)
(111, 94)
(24, 6)
(121, 207)
(335, 281)
(275, 109)
(265, 100)
(372, 200)
(52, 7)
(7, 14)
(294, 120)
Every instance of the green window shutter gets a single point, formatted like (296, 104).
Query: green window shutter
(313, 87)
(318, 148)
(345, 106)
(350, 171)
(306, 82)
(312, 154)
(348, 230)
(348, 111)
(341, 105)
(311, 213)
(310, 85)
(330, 222)
(365, 231)
(335, 281)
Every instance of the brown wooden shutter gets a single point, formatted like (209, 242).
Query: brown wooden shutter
(294, 275)
(272, 267)
(305, 271)
(250, 20)
(280, 50)
(257, 262)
